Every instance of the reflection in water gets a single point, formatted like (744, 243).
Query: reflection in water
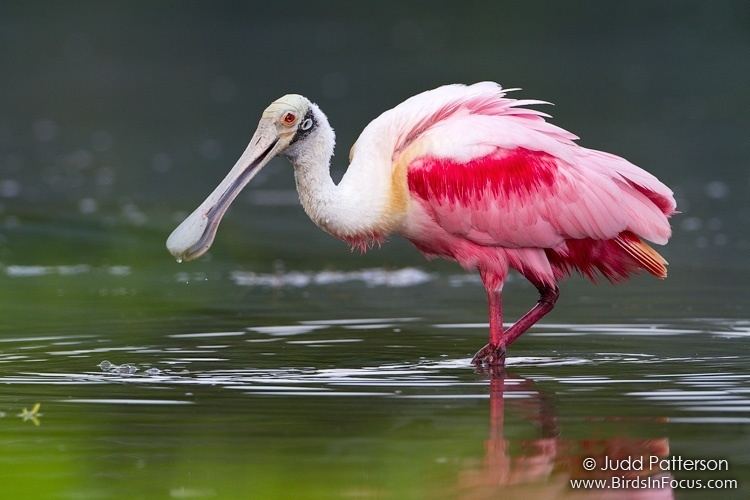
(544, 467)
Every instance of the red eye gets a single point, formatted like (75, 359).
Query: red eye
(289, 118)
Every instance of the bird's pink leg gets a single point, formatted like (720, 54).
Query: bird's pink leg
(494, 352)
(547, 297)
(495, 302)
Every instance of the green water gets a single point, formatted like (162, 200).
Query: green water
(284, 366)
(316, 379)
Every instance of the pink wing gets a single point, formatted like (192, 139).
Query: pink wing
(499, 174)
(518, 198)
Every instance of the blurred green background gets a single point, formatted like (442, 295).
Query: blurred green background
(117, 118)
(145, 105)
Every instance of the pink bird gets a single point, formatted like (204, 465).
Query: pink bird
(467, 174)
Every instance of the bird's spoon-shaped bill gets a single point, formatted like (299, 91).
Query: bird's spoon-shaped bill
(194, 236)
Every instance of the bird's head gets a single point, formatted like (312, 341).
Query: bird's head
(285, 127)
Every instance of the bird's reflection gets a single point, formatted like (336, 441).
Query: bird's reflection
(543, 467)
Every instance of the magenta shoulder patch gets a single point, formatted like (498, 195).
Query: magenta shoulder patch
(506, 172)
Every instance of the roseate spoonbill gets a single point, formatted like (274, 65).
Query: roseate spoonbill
(468, 174)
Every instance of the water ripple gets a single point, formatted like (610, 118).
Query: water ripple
(683, 385)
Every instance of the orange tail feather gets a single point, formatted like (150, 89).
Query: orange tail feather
(643, 254)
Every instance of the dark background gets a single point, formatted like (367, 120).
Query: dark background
(139, 108)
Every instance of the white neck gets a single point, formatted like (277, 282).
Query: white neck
(356, 208)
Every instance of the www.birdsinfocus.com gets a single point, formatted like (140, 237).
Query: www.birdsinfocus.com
(468, 174)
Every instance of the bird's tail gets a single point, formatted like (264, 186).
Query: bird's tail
(643, 254)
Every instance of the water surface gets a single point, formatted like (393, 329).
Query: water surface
(223, 379)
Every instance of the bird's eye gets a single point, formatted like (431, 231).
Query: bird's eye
(289, 119)
(306, 124)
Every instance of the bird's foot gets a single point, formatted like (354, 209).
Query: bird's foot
(491, 371)
(489, 355)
